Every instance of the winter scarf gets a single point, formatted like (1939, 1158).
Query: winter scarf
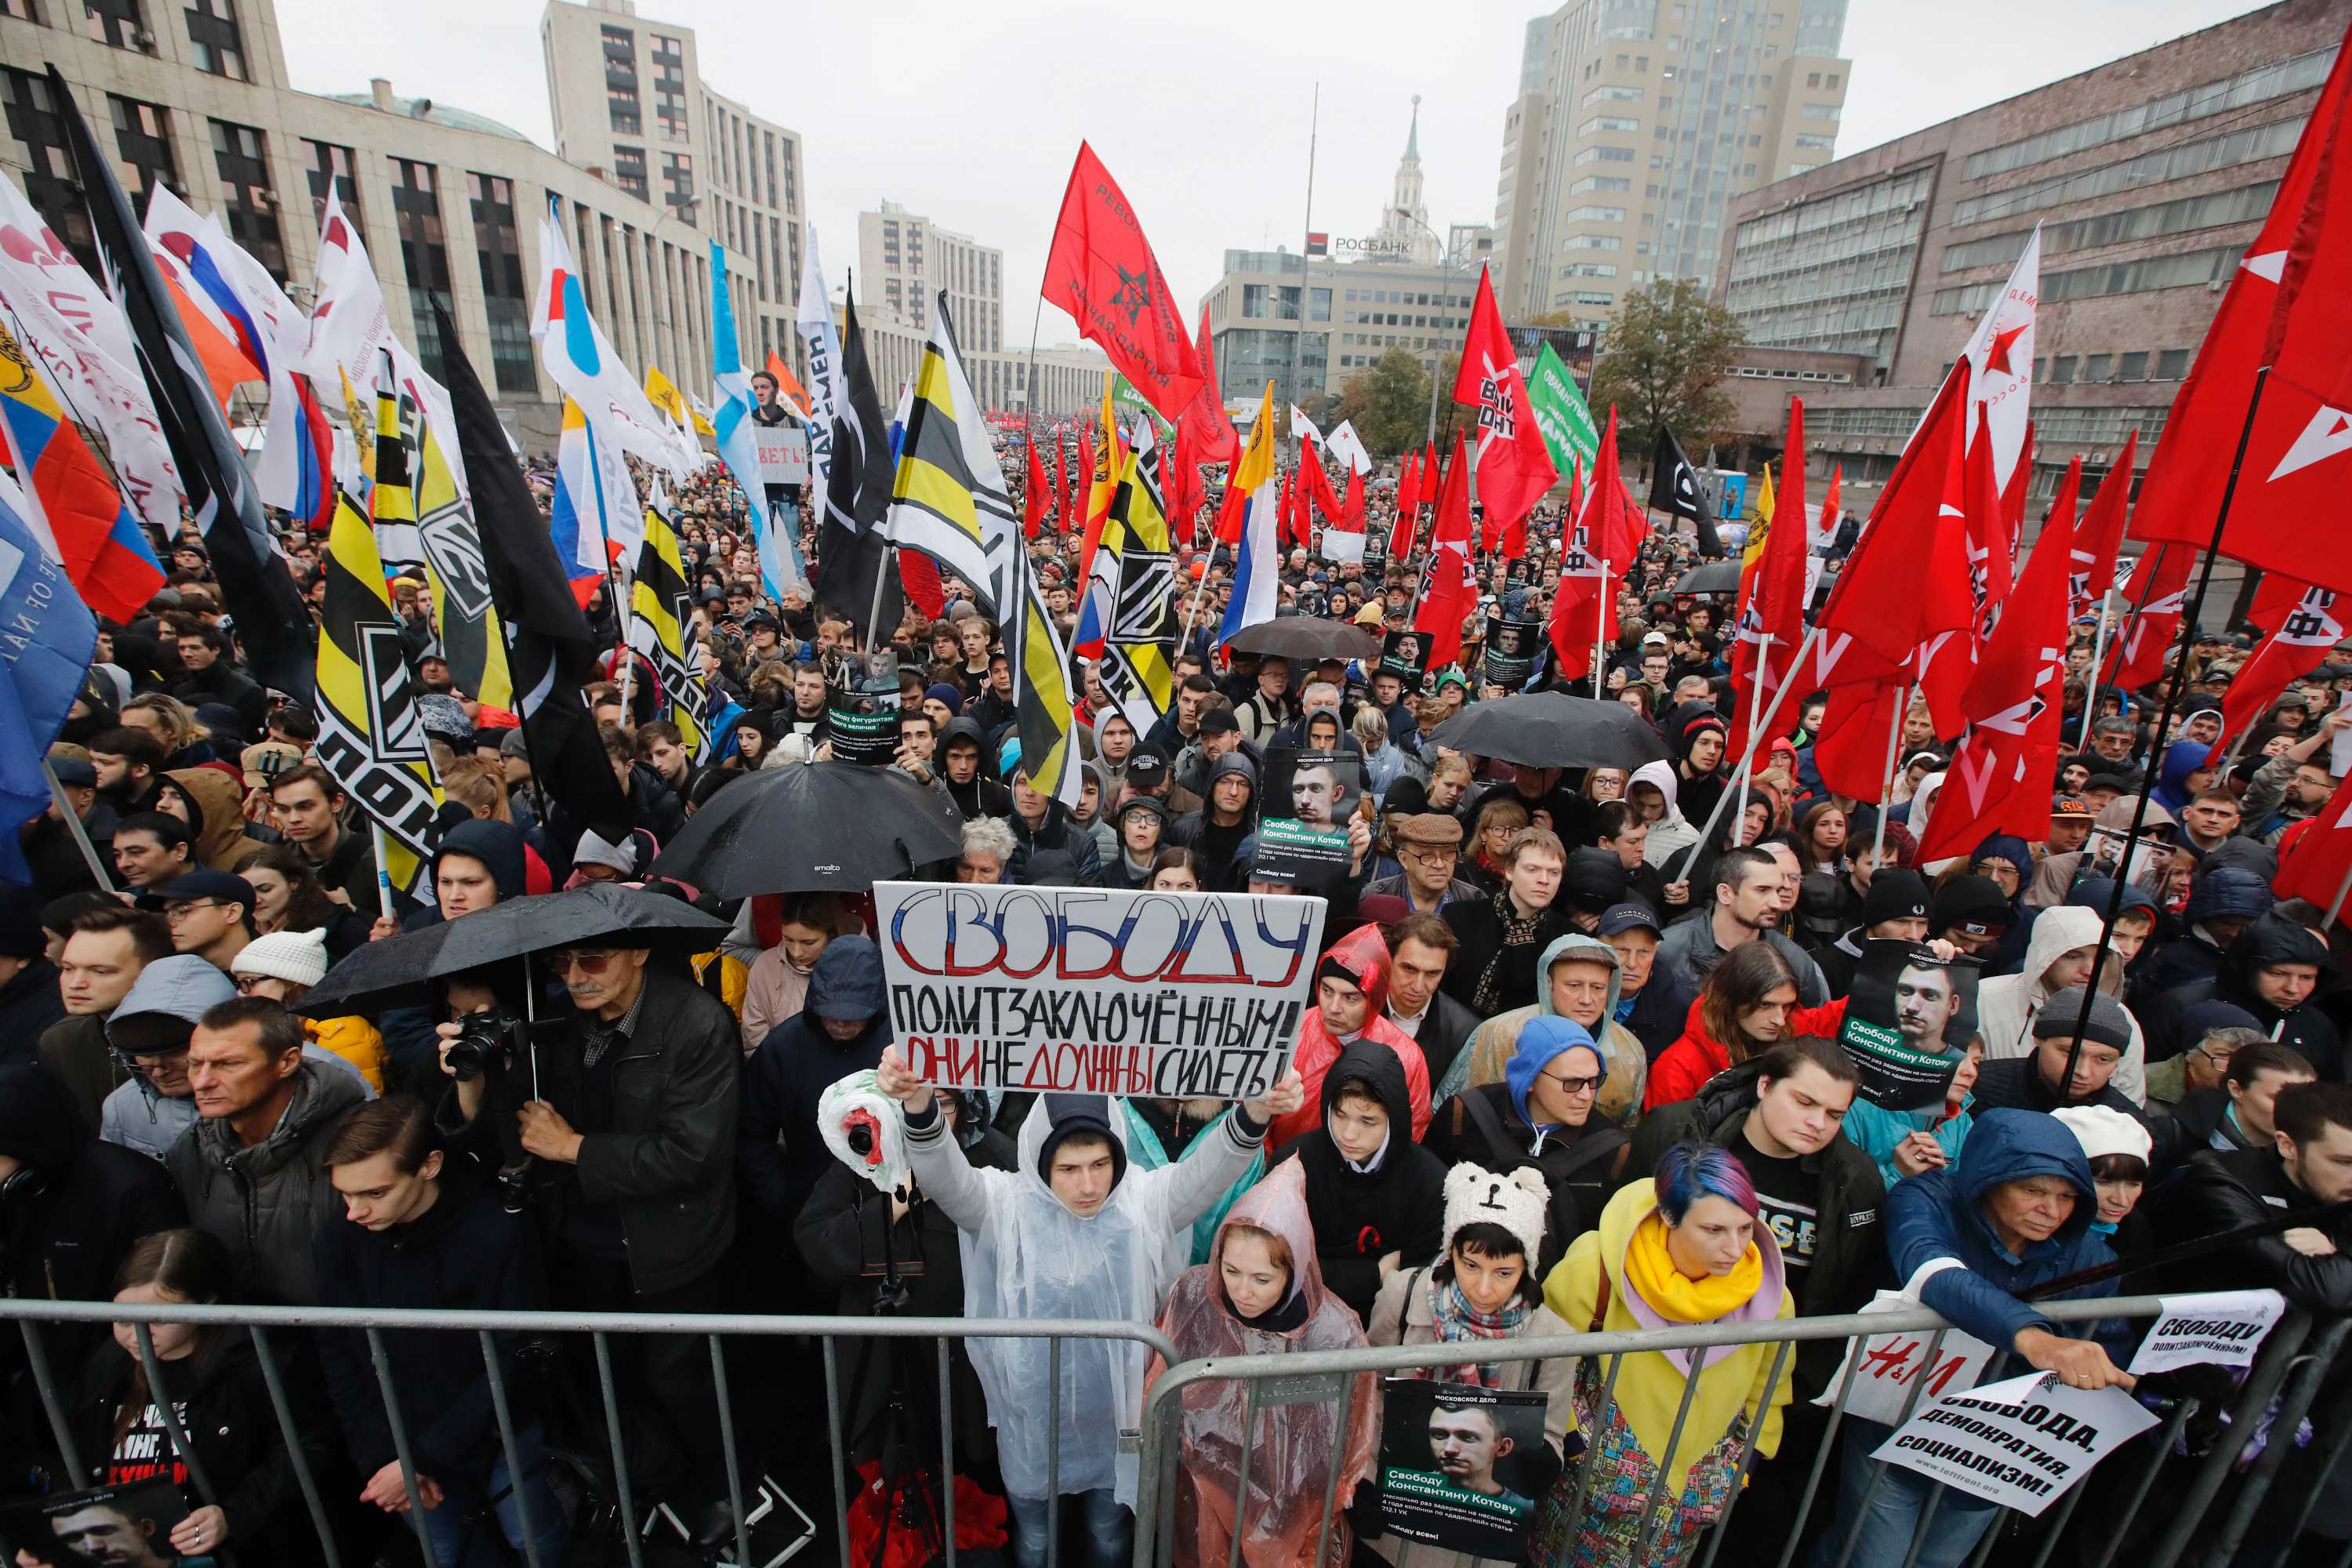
(1458, 1322)
(1487, 997)
(1675, 1296)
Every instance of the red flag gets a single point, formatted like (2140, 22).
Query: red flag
(1101, 270)
(1851, 752)
(2159, 587)
(2001, 776)
(2295, 648)
(1830, 503)
(1233, 512)
(1515, 466)
(1351, 511)
(1062, 485)
(1772, 601)
(1600, 540)
(2287, 305)
(1448, 592)
(2101, 535)
(1575, 487)
(2316, 855)
(1992, 542)
(1181, 487)
(918, 574)
(1033, 510)
(1204, 416)
(1407, 518)
(1313, 485)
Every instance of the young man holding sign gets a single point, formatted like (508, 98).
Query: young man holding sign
(1071, 1234)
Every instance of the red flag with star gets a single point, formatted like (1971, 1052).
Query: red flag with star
(1101, 270)
(1515, 466)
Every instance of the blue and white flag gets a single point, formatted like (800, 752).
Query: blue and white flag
(778, 530)
(43, 661)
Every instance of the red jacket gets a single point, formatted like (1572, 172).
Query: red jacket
(1364, 955)
(1684, 1068)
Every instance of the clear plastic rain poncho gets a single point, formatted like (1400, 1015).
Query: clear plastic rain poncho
(1032, 1258)
(1291, 1449)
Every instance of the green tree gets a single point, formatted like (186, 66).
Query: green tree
(1663, 360)
(1389, 403)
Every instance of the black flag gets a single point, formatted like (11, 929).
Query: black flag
(1674, 488)
(551, 652)
(257, 590)
(851, 551)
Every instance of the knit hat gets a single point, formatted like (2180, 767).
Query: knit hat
(2109, 1024)
(1894, 894)
(1972, 904)
(952, 696)
(298, 957)
(1518, 1202)
(2102, 1130)
(1069, 1115)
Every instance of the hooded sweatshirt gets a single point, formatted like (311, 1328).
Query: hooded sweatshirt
(1491, 1049)
(221, 842)
(1291, 1446)
(1672, 835)
(2275, 939)
(1215, 844)
(780, 1154)
(983, 796)
(2182, 759)
(1394, 1202)
(2007, 1005)
(1364, 955)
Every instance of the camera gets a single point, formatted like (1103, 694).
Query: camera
(486, 1040)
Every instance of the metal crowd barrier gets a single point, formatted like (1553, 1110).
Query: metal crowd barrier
(2293, 1365)
(260, 1321)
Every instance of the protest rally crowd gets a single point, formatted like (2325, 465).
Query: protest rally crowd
(1582, 1050)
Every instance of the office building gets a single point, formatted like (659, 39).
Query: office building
(1636, 122)
(2148, 177)
(903, 262)
(1354, 312)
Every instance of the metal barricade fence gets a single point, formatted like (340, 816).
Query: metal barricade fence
(260, 1322)
(2294, 1362)
(2289, 1370)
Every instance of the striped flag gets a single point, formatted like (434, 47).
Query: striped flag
(1257, 564)
(1045, 713)
(593, 491)
(71, 500)
(949, 500)
(1126, 620)
(370, 732)
(775, 529)
(581, 359)
(659, 608)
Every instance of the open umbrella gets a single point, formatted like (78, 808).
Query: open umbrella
(813, 828)
(1307, 637)
(1714, 578)
(393, 971)
(1553, 729)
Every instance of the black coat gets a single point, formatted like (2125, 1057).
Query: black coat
(1480, 930)
(1359, 1219)
(2272, 939)
(2015, 1084)
(2220, 1192)
(465, 1253)
(29, 1002)
(780, 1156)
(1481, 1125)
(1445, 1030)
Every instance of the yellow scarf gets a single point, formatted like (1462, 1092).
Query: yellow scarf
(1675, 1296)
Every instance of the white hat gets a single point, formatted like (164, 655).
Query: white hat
(597, 851)
(1518, 1202)
(296, 956)
(2102, 1130)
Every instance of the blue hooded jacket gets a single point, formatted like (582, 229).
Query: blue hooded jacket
(2180, 759)
(1934, 1215)
(1542, 1039)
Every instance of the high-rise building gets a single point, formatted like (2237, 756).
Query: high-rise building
(903, 262)
(1635, 123)
(629, 100)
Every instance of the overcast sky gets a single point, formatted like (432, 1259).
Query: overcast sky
(970, 114)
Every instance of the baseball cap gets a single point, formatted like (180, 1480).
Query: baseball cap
(1626, 917)
(266, 761)
(1146, 770)
(2069, 806)
(1658, 638)
(223, 887)
(1219, 721)
(74, 771)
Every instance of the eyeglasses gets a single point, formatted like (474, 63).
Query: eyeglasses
(247, 985)
(175, 914)
(565, 960)
(2219, 1058)
(1427, 857)
(1574, 1087)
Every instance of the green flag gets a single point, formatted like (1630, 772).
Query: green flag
(1560, 414)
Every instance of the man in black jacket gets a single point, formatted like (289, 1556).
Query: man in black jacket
(1422, 948)
(409, 1240)
(2307, 1166)
(962, 753)
(1377, 1198)
(842, 1025)
(2033, 1082)
(635, 1122)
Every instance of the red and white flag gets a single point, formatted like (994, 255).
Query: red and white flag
(1448, 592)
(1771, 624)
(1515, 466)
(2160, 587)
(2000, 366)
(2101, 536)
(2300, 637)
(1607, 531)
(2316, 855)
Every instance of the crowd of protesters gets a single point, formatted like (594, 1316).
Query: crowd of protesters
(1571, 1066)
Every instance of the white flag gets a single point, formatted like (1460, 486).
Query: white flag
(2001, 362)
(1302, 427)
(1346, 445)
(828, 391)
(580, 357)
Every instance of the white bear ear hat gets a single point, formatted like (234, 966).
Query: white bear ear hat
(1518, 1202)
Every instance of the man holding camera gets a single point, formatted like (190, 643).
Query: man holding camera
(633, 1130)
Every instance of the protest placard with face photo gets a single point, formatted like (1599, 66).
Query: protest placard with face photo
(1459, 1465)
(125, 1526)
(1302, 834)
(1406, 653)
(1908, 1020)
(864, 725)
(1511, 649)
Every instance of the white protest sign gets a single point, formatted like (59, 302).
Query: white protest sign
(1188, 995)
(2217, 1328)
(783, 452)
(1892, 1361)
(2020, 1442)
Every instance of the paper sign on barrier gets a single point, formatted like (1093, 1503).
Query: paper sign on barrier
(2020, 1442)
(2217, 1328)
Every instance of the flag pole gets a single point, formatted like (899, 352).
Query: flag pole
(1298, 333)
(383, 874)
(1886, 785)
(2131, 618)
(2098, 657)
(2335, 905)
(1755, 721)
(90, 851)
(2189, 617)
(1772, 711)
(1600, 626)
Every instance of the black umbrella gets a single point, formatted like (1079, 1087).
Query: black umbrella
(1714, 578)
(812, 828)
(1308, 637)
(1553, 729)
(393, 972)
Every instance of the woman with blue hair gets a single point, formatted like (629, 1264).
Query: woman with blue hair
(1681, 1250)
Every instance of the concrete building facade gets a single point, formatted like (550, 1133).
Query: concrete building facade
(447, 201)
(903, 262)
(1353, 313)
(1634, 125)
(2148, 175)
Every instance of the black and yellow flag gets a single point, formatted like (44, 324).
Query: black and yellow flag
(1043, 705)
(1126, 622)
(949, 500)
(371, 734)
(660, 611)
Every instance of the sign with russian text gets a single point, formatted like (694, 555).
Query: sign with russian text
(1090, 990)
(784, 453)
(1891, 1362)
(2019, 1442)
(2216, 1328)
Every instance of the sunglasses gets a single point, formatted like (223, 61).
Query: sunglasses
(563, 961)
(1574, 1086)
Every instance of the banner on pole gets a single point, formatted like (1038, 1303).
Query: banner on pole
(1185, 995)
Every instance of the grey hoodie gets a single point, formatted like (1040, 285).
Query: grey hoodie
(1482, 1060)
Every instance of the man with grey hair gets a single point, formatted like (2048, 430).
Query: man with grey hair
(988, 847)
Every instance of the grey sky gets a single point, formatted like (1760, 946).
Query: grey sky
(970, 114)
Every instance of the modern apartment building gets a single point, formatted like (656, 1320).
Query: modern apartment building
(903, 261)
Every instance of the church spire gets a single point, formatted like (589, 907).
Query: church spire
(1413, 137)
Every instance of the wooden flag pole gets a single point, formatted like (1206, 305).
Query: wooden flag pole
(1755, 721)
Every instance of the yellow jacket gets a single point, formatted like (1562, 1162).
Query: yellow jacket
(355, 1040)
(1650, 1388)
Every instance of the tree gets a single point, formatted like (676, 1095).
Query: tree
(1389, 403)
(1663, 360)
